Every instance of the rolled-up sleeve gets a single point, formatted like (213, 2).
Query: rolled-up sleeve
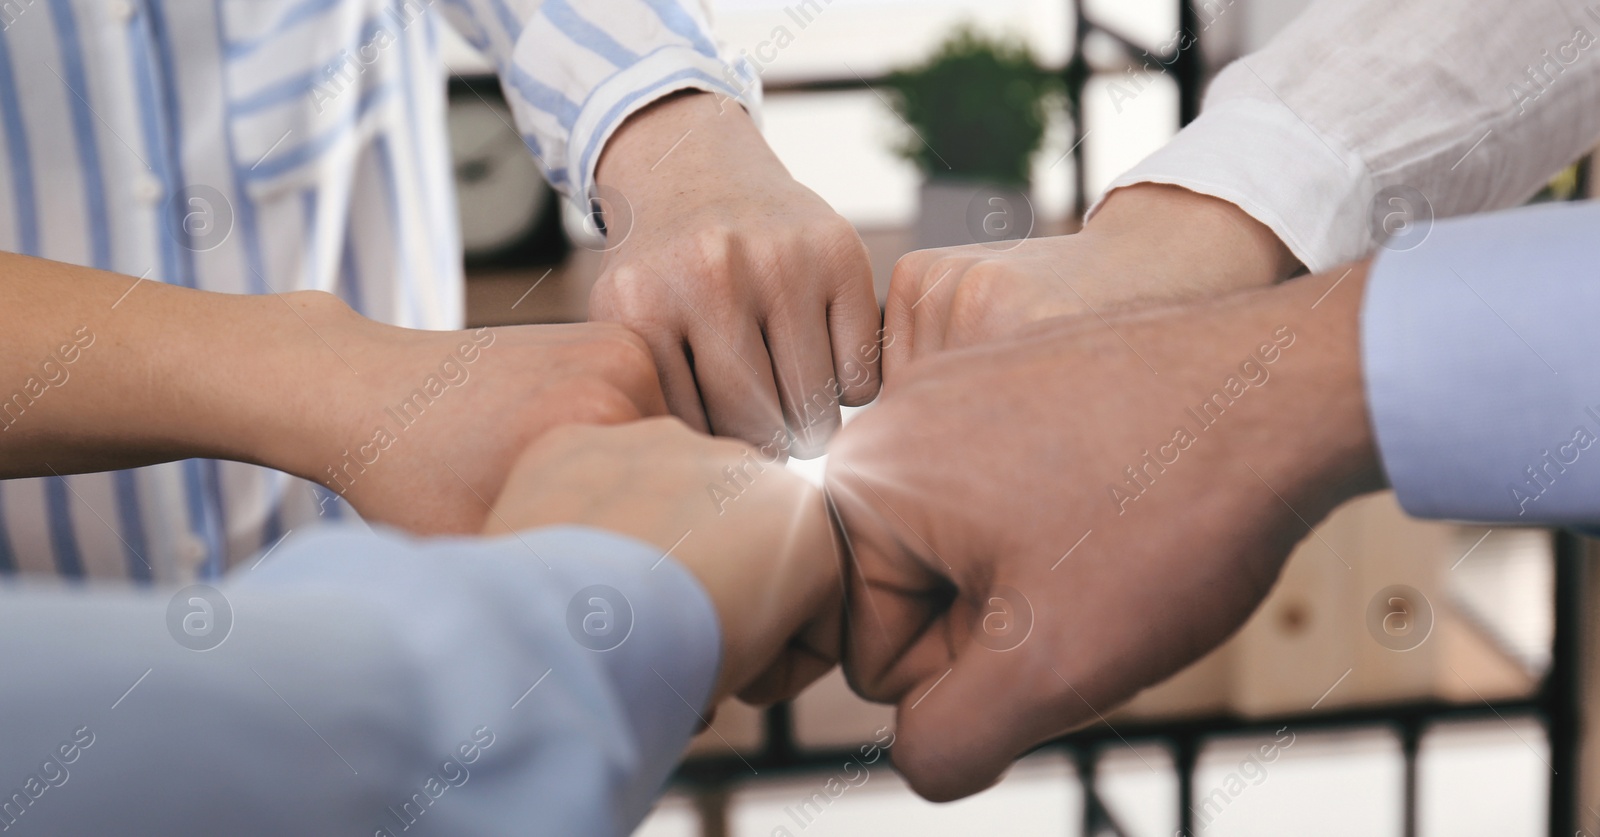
(361, 683)
(574, 70)
(1473, 105)
(1481, 357)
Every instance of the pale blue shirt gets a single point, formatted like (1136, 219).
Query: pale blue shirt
(1479, 350)
(359, 683)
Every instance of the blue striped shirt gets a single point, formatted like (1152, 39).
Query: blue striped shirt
(266, 146)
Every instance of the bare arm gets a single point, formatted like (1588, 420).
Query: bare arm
(417, 429)
(101, 371)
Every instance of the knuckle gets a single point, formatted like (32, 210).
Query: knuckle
(905, 281)
(979, 290)
(626, 361)
(624, 294)
(975, 285)
(622, 347)
(840, 241)
(984, 276)
(715, 247)
(597, 402)
(840, 227)
(911, 267)
(871, 682)
(629, 273)
(933, 269)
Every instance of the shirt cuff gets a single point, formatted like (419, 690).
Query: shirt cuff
(666, 70)
(1311, 191)
(1478, 350)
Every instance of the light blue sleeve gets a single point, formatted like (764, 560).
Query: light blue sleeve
(360, 684)
(574, 70)
(1481, 351)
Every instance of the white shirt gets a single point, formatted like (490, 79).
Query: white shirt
(1356, 127)
(257, 146)
(1474, 105)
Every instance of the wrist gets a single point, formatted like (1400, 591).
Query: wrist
(683, 143)
(1195, 239)
(1313, 434)
(288, 409)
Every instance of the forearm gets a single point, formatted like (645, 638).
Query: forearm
(1481, 104)
(101, 371)
(1310, 437)
(1458, 371)
(1272, 379)
(1191, 244)
(704, 134)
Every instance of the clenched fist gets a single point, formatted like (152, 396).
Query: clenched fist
(1148, 244)
(767, 559)
(754, 296)
(1043, 526)
(423, 437)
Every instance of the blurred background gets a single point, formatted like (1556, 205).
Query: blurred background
(1402, 679)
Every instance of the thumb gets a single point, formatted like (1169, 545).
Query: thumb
(809, 655)
(962, 726)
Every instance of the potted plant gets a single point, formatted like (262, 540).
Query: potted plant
(977, 109)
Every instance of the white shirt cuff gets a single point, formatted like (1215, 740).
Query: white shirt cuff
(1312, 192)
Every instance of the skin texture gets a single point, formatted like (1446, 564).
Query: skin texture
(754, 296)
(768, 559)
(446, 464)
(300, 383)
(1001, 594)
(954, 297)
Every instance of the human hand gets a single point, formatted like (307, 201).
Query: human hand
(424, 430)
(766, 556)
(1148, 244)
(1033, 538)
(755, 297)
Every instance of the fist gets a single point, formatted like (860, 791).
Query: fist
(761, 543)
(426, 436)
